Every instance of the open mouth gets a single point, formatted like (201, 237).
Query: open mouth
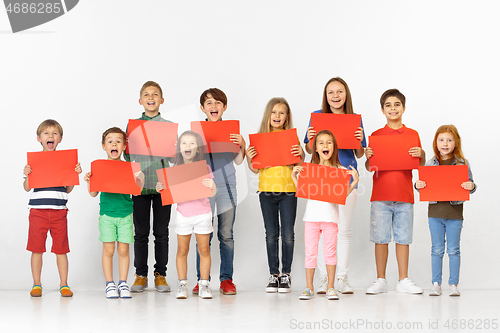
(187, 152)
(151, 103)
(114, 151)
(325, 152)
(214, 113)
(50, 144)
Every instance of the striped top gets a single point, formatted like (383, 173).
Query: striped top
(48, 198)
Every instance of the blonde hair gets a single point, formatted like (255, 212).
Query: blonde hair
(334, 159)
(49, 123)
(348, 109)
(457, 152)
(265, 125)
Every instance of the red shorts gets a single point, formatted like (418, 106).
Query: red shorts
(43, 220)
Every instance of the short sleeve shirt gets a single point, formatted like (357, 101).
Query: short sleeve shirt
(393, 185)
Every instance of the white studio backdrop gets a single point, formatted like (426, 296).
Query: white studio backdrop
(85, 70)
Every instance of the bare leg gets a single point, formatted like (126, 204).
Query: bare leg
(330, 271)
(402, 256)
(203, 241)
(62, 266)
(381, 254)
(36, 268)
(310, 278)
(108, 250)
(123, 260)
(182, 253)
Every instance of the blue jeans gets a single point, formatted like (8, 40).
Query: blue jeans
(226, 202)
(442, 231)
(276, 206)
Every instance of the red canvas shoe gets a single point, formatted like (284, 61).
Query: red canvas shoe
(196, 289)
(227, 287)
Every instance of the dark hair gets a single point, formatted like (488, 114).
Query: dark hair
(348, 109)
(334, 160)
(392, 93)
(199, 154)
(151, 84)
(216, 94)
(114, 130)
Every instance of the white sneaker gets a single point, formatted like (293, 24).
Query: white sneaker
(205, 291)
(435, 290)
(379, 286)
(407, 286)
(307, 294)
(182, 290)
(331, 294)
(124, 290)
(454, 291)
(323, 286)
(343, 286)
(111, 291)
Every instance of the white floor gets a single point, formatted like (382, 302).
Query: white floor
(90, 311)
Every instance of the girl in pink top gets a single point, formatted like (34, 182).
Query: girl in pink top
(193, 216)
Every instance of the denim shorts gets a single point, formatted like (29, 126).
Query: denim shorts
(389, 218)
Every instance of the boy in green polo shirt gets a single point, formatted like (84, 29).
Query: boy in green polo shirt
(115, 220)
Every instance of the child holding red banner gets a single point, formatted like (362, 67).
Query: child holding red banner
(213, 103)
(392, 199)
(48, 212)
(151, 97)
(323, 217)
(193, 216)
(277, 198)
(446, 217)
(115, 219)
(337, 100)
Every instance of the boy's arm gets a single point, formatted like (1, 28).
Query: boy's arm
(238, 139)
(369, 154)
(27, 171)
(78, 170)
(420, 153)
(87, 179)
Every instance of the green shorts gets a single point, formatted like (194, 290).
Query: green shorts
(119, 229)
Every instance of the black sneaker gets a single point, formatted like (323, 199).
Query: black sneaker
(272, 286)
(285, 283)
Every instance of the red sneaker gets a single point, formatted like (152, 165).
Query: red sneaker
(227, 287)
(196, 289)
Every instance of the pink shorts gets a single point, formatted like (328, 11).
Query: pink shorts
(44, 220)
(312, 232)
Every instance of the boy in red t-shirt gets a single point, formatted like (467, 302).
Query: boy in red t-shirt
(392, 201)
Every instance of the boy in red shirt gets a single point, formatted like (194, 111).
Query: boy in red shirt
(392, 201)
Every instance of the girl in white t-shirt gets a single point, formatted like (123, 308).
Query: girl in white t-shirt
(322, 217)
(193, 216)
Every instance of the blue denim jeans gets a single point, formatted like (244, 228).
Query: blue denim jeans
(445, 231)
(276, 206)
(224, 202)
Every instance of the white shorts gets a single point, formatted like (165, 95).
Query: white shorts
(198, 224)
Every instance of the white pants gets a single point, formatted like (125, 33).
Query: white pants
(343, 239)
